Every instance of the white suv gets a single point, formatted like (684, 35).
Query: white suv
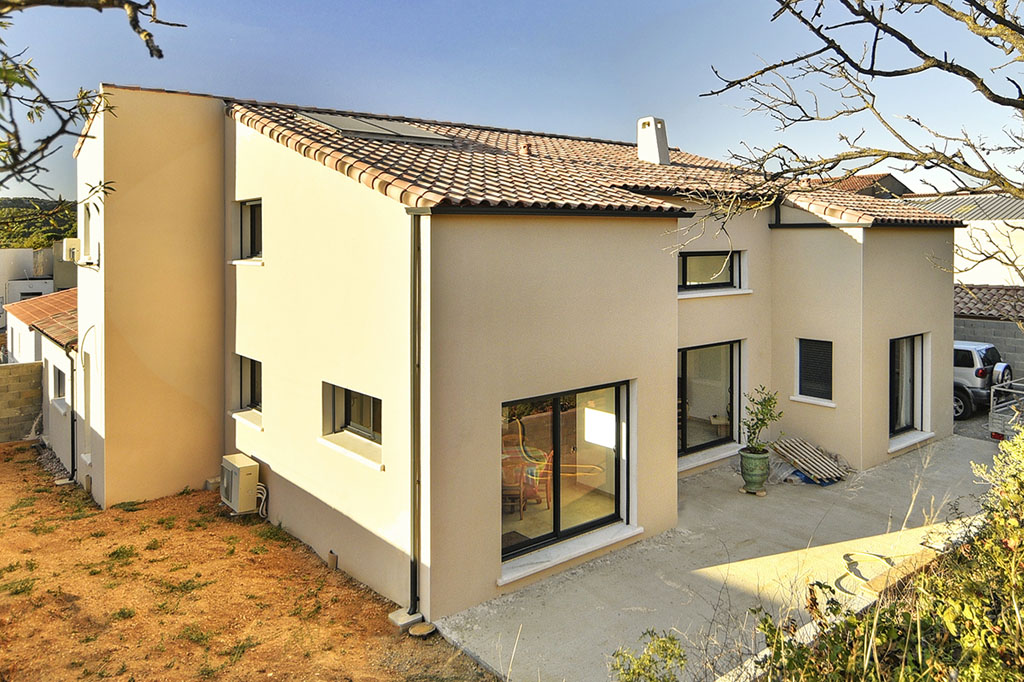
(976, 367)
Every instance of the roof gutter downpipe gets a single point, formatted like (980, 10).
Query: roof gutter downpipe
(416, 292)
(74, 428)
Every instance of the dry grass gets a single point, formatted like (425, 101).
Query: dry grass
(173, 589)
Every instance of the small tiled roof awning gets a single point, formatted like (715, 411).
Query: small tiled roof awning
(54, 315)
(988, 301)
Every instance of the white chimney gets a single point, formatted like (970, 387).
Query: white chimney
(652, 140)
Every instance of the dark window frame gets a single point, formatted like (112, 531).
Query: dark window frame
(250, 383)
(59, 383)
(808, 390)
(250, 227)
(559, 534)
(734, 372)
(372, 432)
(734, 270)
(916, 384)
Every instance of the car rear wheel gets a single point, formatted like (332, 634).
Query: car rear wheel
(963, 407)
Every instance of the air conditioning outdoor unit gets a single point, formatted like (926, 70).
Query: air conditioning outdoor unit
(70, 249)
(238, 478)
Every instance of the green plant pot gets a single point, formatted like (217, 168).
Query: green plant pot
(754, 469)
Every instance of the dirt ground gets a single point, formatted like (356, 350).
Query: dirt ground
(174, 589)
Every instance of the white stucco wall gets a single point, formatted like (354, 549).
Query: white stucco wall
(14, 264)
(57, 410)
(23, 344)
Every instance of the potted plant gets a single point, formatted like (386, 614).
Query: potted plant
(761, 412)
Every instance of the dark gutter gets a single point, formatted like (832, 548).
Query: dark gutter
(415, 300)
(74, 422)
(560, 212)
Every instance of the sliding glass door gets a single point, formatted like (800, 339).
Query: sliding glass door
(903, 381)
(560, 466)
(706, 377)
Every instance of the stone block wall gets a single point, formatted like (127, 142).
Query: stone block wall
(1006, 336)
(21, 399)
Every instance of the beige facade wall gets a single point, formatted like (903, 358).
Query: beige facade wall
(328, 302)
(723, 315)
(528, 306)
(817, 294)
(153, 302)
(56, 409)
(904, 295)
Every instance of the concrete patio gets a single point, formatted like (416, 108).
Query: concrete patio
(728, 554)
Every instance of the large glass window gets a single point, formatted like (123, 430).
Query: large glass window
(353, 411)
(708, 270)
(706, 396)
(904, 383)
(560, 466)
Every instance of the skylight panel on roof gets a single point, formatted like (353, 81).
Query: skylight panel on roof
(377, 129)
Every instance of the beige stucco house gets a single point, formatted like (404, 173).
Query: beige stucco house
(465, 357)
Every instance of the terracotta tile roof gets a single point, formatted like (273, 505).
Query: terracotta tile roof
(854, 183)
(835, 204)
(988, 301)
(54, 315)
(485, 166)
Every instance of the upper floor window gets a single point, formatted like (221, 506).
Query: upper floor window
(252, 229)
(709, 270)
(353, 411)
(814, 368)
(251, 384)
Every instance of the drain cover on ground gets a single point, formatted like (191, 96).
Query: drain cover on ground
(422, 630)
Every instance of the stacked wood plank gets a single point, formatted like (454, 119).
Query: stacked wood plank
(809, 460)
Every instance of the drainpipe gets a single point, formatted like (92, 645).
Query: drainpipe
(74, 450)
(415, 299)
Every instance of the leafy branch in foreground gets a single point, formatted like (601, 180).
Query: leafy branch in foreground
(26, 109)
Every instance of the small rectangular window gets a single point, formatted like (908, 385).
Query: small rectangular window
(708, 270)
(252, 230)
(963, 358)
(58, 383)
(251, 384)
(815, 369)
(350, 410)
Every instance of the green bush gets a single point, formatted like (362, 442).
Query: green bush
(959, 618)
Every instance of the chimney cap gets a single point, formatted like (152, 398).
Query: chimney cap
(652, 140)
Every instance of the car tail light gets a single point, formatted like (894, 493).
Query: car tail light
(981, 372)
(996, 436)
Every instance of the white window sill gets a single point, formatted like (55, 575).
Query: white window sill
(712, 292)
(356, 448)
(250, 262)
(553, 555)
(905, 440)
(249, 417)
(812, 401)
(60, 405)
(709, 456)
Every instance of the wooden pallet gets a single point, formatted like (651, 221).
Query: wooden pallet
(809, 460)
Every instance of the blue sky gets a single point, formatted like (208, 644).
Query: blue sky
(583, 68)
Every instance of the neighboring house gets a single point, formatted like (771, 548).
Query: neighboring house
(46, 329)
(995, 222)
(19, 279)
(881, 185)
(49, 262)
(466, 357)
(989, 313)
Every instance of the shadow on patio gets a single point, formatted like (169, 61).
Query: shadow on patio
(728, 554)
